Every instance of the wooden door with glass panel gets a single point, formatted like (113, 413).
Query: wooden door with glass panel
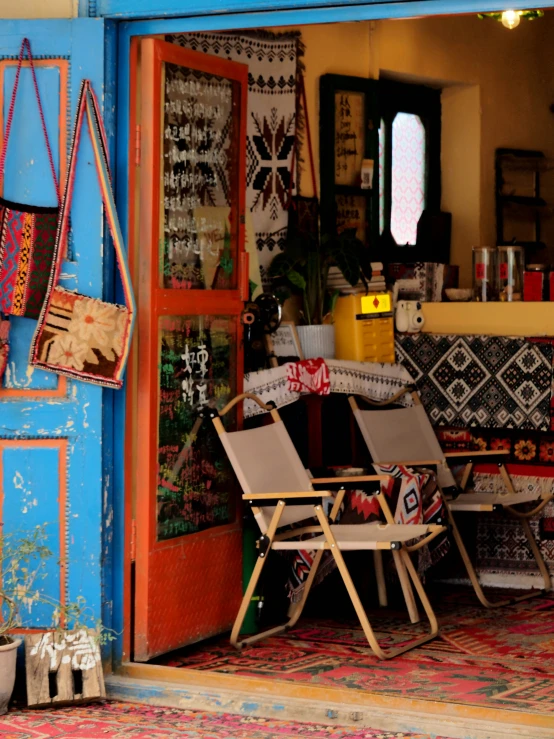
(192, 276)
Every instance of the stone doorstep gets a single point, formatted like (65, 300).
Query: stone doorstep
(269, 704)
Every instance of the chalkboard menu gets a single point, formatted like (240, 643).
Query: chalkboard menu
(196, 487)
(348, 151)
(199, 234)
(349, 137)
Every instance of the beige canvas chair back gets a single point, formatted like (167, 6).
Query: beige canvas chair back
(265, 461)
(402, 435)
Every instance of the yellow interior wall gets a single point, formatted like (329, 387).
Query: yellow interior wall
(340, 48)
(513, 72)
(498, 87)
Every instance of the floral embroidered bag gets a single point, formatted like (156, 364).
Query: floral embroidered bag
(27, 232)
(78, 336)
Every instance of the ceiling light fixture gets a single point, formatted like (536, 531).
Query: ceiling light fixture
(511, 18)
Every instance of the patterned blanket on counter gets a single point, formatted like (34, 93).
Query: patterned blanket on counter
(480, 381)
(376, 381)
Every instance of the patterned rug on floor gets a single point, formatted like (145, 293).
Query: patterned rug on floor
(499, 659)
(124, 720)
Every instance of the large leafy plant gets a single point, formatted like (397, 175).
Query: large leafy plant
(303, 267)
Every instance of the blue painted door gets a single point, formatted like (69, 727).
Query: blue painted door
(51, 428)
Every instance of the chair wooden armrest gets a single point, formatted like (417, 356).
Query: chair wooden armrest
(352, 478)
(285, 496)
(486, 453)
(414, 463)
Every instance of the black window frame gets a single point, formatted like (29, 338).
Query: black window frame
(425, 102)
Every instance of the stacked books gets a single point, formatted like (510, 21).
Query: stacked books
(336, 281)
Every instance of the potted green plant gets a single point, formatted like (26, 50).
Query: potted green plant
(23, 562)
(303, 267)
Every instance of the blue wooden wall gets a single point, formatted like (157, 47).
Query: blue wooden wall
(51, 429)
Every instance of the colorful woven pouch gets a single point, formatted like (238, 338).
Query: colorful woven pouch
(76, 335)
(27, 232)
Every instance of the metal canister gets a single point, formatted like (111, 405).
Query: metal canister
(484, 273)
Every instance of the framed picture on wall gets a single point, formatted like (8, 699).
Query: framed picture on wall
(283, 345)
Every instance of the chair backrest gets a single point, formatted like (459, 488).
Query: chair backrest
(265, 461)
(402, 435)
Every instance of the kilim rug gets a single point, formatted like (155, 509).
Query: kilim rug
(124, 720)
(502, 659)
(485, 381)
(271, 127)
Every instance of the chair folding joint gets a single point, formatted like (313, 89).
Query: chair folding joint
(452, 492)
(497, 507)
(396, 545)
(263, 544)
(207, 412)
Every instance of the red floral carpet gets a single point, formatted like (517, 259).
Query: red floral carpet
(124, 720)
(499, 659)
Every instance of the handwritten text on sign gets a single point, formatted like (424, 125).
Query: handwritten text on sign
(197, 166)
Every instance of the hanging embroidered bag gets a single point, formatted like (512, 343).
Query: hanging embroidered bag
(79, 336)
(27, 232)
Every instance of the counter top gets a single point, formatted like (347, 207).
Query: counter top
(492, 319)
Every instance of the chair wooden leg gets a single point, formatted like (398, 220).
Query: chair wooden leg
(406, 588)
(380, 577)
(475, 579)
(356, 602)
(294, 613)
(246, 600)
(258, 567)
(537, 555)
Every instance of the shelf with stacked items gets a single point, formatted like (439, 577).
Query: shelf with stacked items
(336, 282)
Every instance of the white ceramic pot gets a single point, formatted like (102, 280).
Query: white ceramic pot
(8, 657)
(317, 341)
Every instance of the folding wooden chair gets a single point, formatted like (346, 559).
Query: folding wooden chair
(405, 436)
(281, 494)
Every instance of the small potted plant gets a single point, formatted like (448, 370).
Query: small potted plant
(23, 562)
(303, 268)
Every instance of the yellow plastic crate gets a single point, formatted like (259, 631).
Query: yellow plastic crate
(364, 328)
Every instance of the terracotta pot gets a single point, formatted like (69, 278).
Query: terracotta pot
(317, 341)
(8, 656)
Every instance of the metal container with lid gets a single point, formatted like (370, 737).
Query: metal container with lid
(484, 273)
(510, 272)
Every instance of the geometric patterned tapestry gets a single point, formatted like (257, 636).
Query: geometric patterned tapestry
(271, 125)
(480, 381)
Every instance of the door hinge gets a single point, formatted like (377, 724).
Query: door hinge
(133, 540)
(137, 145)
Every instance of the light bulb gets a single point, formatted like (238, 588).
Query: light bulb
(510, 19)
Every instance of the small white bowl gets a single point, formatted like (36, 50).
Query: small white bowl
(459, 294)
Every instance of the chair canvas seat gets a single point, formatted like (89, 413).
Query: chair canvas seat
(353, 537)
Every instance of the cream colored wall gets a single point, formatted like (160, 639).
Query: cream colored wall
(341, 48)
(461, 171)
(38, 8)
